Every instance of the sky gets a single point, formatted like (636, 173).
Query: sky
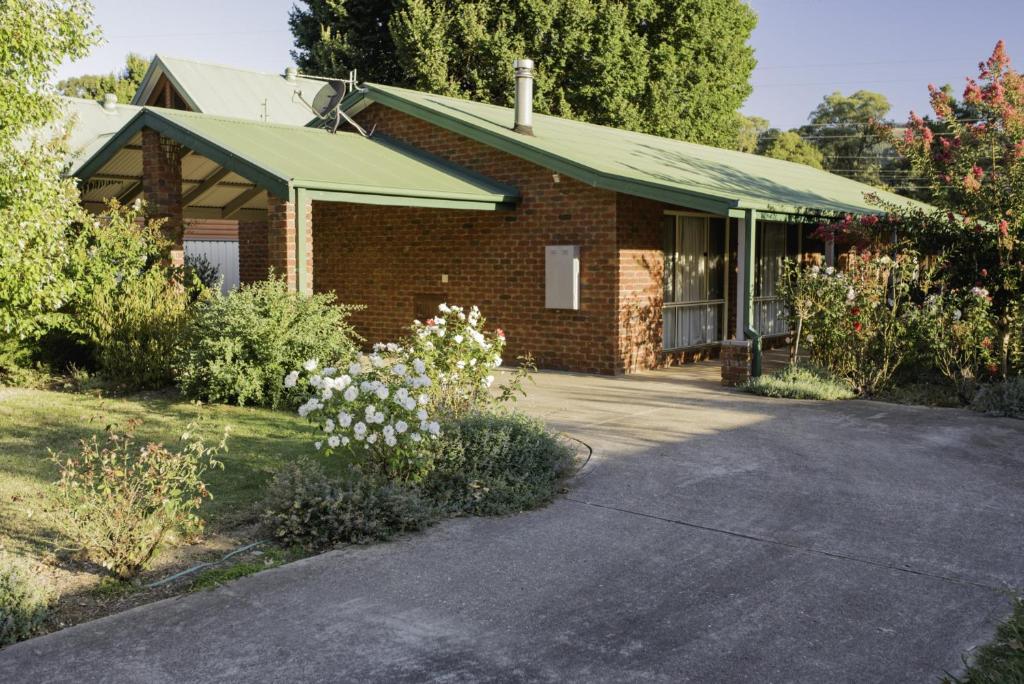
(805, 48)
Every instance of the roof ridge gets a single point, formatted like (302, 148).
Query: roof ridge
(163, 58)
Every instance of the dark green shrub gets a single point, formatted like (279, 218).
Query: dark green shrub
(1004, 398)
(198, 267)
(24, 602)
(239, 347)
(799, 382)
(492, 464)
(307, 508)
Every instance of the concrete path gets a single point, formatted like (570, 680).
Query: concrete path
(715, 536)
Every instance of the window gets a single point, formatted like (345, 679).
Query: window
(771, 251)
(693, 313)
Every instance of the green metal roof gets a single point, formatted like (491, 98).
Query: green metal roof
(91, 126)
(691, 175)
(339, 167)
(227, 91)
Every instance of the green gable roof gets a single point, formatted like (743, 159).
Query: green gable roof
(227, 91)
(687, 174)
(342, 167)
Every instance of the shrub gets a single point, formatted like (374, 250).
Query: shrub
(459, 358)
(120, 504)
(200, 268)
(799, 382)
(306, 508)
(859, 324)
(24, 602)
(239, 346)
(959, 330)
(492, 464)
(137, 332)
(128, 304)
(1005, 398)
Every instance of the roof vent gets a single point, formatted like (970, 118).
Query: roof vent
(110, 102)
(524, 96)
(291, 74)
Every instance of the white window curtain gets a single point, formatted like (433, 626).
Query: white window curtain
(769, 310)
(689, 317)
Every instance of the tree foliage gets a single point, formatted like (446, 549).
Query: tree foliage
(679, 69)
(789, 146)
(36, 203)
(843, 128)
(123, 83)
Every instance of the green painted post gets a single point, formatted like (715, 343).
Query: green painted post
(301, 231)
(750, 235)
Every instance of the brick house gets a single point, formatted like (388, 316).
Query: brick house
(597, 249)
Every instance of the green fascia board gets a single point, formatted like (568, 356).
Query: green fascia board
(405, 200)
(275, 183)
(559, 164)
(695, 176)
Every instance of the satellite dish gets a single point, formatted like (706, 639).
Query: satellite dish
(327, 103)
(328, 98)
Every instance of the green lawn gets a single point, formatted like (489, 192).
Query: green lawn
(33, 421)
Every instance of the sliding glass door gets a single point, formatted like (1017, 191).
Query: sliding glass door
(693, 313)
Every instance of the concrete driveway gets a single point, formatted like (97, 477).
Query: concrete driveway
(714, 536)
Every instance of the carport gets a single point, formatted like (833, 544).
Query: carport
(192, 166)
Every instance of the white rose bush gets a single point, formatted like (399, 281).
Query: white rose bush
(389, 404)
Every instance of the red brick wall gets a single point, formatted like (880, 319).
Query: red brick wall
(281, 240)
(253, 259)
(161, 185)
(382, 257)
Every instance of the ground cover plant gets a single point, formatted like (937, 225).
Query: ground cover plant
(1002, 660)
(24, 601)
(799, 382)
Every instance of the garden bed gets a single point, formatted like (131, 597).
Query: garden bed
(32, 422)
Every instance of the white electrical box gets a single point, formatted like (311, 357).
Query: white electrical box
(562, 277)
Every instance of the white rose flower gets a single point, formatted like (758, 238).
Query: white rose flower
(401, 426)
(399, 369)
(421, 414)
(351, 394)
(957, 314)
(424, 399)
(333, 441)
(443, 307)
(291, 379)
(388, 431)
(460, 364)
(382, 392)
(434, 427)
(419, 366)
(409, 404)
(317, 445)
(489, 380)
(344, 440)
(344, 419)
(815, 269)
(310, 365)
(354, 369)
(370, 410)
(327, 394)
(390, 440)
(359, 429)
(497, 361)
(850, 295)
(329, 425)
(810, 337)
(371, 438)
(415, 437)
(330, 370)
(458, 339)
(830, 270)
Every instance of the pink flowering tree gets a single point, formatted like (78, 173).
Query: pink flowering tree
(972, 156)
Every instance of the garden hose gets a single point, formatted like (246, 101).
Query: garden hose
(201, 566)
(590, 451)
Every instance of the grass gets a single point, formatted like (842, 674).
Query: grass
(1002, 660)
(798, 382)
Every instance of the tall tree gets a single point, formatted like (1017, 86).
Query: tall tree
(123, 83)
(750, 131)
(844, 129)
(677, 68)
(36, 203)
